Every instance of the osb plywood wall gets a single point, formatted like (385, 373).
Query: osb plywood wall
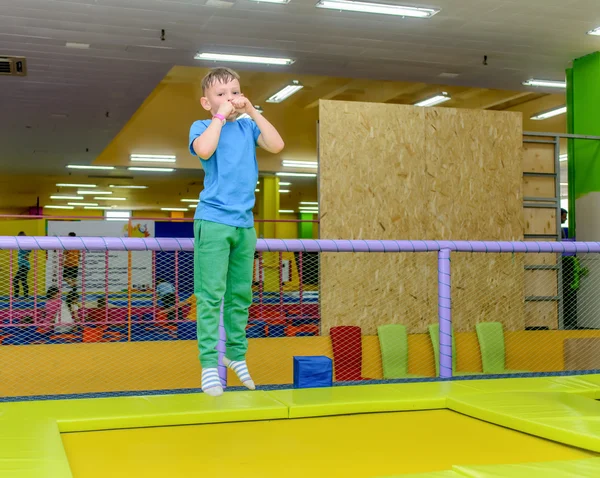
(402, 172)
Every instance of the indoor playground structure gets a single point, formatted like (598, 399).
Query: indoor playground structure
(527, 424)
(439, 327)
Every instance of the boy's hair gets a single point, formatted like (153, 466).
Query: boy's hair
(71, 234)
(218, 75)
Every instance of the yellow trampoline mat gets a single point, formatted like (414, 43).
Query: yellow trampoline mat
(364, 445)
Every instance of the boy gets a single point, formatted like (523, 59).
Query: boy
(225, 238)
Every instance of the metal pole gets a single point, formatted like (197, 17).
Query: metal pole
(176, 285)
(83, 285)
(11, 289)
(445, 313)
(558, 230)
(300, 284)
(106, 286)
(35, 285)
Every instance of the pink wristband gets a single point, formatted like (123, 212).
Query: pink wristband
(218, 116)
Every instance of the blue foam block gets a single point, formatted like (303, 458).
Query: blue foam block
(313, 372)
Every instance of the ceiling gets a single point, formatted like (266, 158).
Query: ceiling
(76, 104)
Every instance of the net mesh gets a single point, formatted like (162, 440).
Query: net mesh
(81, 321)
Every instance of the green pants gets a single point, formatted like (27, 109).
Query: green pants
(223, 266)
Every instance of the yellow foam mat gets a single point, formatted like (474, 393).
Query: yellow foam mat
(554, 469)
(593, 380)
(30, 439)
(533, 384)
(554, 408)
(318, 402)
(433, 474)
(563, 417)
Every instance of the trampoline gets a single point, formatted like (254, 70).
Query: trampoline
(479, 428)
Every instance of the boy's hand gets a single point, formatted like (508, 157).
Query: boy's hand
(226, 109)
(243, 105)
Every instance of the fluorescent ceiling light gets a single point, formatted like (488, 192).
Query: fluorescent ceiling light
(190, 200)
(299, 164)
(550, 113)
(564, 184)
(284, 191)
(100, 198)
(309, 203)
(153, 158)
(285, 92)
(193, 206)
(381, 8)
(563, 157)
(308, 207)
(69, 185)
(304, 175)
(82, 203)
(58, 207)
(76, 45)
(115, 186)
(113, 214)
(83, 166)
(434, 100)
(257, 190)
(98, 207)
(262, 60)
(284, 183)
(595, 31)
(286, 211)
(77, 198)
(545, 83)
(84, 192)
(183, 209)
(155, 170)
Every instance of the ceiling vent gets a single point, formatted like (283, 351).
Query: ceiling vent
(13, 66)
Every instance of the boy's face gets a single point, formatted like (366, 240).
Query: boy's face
(219, 93)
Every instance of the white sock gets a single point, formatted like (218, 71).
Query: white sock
(241, 370)
(211, 383)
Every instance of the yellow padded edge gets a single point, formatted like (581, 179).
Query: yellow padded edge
(30, 431)
(571, 384)
(593, 380)
(433, 474)
(319, 402)
(553, 469)
(562, 417)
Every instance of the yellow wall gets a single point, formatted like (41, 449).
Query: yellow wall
(80, 368)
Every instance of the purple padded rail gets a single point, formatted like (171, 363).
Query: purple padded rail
(291, 245)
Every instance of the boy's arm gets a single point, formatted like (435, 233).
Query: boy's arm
(269, 139)
(206, 144)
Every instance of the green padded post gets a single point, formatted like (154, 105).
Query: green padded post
(393, 342)
(491, 344)
(493, 352)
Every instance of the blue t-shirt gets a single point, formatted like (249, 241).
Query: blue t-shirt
(231, 174)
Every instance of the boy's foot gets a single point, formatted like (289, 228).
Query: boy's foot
(211, 383)
(241, 370)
